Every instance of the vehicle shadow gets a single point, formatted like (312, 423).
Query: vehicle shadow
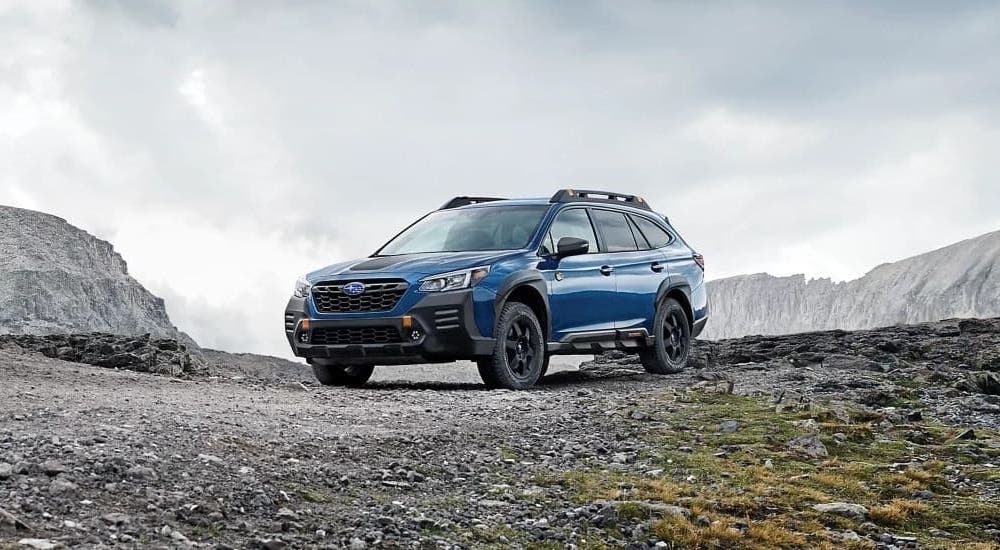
(557, 380)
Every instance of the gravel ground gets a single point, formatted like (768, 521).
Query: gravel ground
(102, 457)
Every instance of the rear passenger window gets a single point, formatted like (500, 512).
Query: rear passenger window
(655, 234)
(616, 231)
(571, 223)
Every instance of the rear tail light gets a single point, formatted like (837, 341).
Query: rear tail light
(700, 260)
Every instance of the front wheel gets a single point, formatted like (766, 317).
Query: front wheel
(672, 340)
(330, 374)
(518, 359)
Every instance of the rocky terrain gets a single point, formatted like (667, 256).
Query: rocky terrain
(58, 279)
(961, 280)
(874, 439)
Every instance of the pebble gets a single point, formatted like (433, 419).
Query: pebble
(809, 445)
(37, 544)
(842, 509)
(116, 518)
(61, 486)
(52, 468)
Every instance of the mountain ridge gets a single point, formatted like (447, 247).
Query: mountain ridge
(958, 280)
(56, 278)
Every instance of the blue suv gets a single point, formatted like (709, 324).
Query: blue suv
(507, 283)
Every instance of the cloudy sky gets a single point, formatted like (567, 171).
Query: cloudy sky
(226, 147)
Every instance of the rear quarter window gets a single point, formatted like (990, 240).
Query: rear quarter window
(654, 234)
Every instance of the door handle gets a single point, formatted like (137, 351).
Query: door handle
(607, 270)
(657, 267)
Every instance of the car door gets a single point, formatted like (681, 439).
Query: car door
(638, 268)
(581, 296)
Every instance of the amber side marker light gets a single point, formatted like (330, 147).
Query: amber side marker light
(407, 321)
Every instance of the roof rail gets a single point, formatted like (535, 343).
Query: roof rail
(465, 201)
(574, 195)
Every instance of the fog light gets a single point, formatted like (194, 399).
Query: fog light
(304, 337)
(415, 335)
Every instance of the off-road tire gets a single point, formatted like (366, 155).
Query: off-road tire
(330, 374)
(485, 367)
(518, 359)
(672, 340)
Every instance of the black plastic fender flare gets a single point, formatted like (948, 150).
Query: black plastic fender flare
(668, 286)
(528, 277)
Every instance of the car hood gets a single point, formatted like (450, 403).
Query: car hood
(418, 264)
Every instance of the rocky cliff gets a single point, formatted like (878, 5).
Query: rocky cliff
(56, 279)
(961, 280)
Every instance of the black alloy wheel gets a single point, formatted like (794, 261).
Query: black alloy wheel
(518, 359)
(672, 340)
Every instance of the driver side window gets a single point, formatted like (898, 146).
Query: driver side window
(570, 223)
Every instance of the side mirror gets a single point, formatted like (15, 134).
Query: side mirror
(571, 246)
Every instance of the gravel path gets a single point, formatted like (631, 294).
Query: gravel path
(145, 459)
(102, 457)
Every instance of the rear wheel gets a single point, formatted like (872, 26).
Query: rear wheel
(518, 359)
(331, 374)
(672, 340)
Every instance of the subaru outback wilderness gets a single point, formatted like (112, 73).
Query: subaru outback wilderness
(507, 284)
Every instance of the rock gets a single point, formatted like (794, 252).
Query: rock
(210, 458)
(52, 468)
(842, 509)
(967, 434)
(851, 536)
(729, 426)
(358, 544)
(652, 509)
(11, 524)
(286, 514)
(38, 544)
(622, 458)
(6, 470)
(703, 521)
(923, 494)
(116, 518)
(141, 472)
(986, 383)
(809, 445)
(61, 486)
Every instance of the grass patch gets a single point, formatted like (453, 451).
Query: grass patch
(748, 489)
(312, 495)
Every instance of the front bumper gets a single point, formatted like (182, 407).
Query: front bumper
(440, 327)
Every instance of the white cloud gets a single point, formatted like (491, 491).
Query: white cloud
(223, 146)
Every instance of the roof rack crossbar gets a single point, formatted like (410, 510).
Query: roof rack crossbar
(574, 195)
(465, 201)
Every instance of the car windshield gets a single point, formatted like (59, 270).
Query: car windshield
(466, 229)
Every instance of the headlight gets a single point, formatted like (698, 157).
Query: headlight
(302, 288)
(455, 280)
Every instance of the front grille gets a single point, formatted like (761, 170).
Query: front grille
(344, 336)
(378, 296)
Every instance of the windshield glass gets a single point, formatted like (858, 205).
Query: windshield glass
(466, 229)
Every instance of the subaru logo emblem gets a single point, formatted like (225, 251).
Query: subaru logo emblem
(354, 289)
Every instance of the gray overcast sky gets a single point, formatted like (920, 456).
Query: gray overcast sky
(226, 147)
